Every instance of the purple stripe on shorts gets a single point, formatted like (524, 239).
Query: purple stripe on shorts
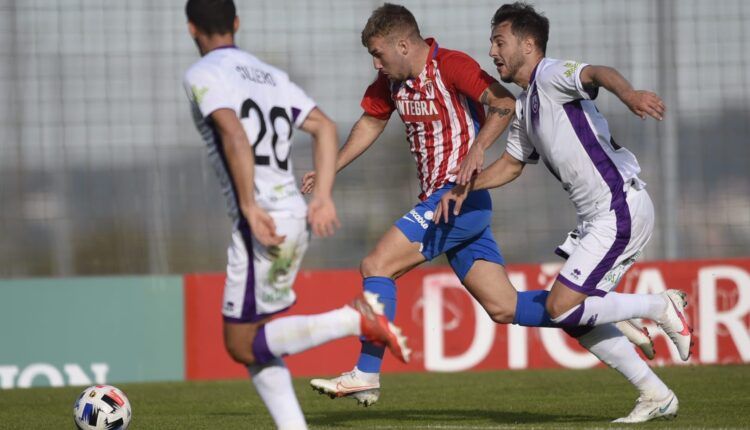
(588, 291)
(249, 311)
(612, 177)
(261, 351)
(248, 303)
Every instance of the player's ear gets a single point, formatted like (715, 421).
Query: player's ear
(528, 45)
(236, 24)
(402, 46)
(192, 30)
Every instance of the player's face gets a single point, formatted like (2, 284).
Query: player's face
(505, 50)
(387, 58)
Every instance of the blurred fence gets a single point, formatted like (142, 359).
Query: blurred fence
(102, 172)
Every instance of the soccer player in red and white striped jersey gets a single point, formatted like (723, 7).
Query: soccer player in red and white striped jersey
(440, 95)
(440, 108)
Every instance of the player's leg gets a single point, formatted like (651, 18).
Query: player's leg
(413, 239)
(607, 247)
(479, 265)
(269, 374)
(488, 282)
(581, 295)
(246, 309)
(273, 382)
(394, 255)
(259, 284)
(608, 344)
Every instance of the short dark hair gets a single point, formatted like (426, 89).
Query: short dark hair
(524, 22)
(212, 16)
(388, 19)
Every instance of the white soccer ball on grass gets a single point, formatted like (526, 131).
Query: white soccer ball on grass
(102, 407)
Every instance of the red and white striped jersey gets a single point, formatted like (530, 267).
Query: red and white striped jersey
(440, 109)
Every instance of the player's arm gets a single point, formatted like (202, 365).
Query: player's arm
(500, 108)
(364, 133)
(321, 213)
(241, 161)
(640, 102)
(504, 170)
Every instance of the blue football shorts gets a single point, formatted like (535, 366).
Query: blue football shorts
(465, 239)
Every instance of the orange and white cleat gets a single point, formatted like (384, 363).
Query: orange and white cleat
(376, 328)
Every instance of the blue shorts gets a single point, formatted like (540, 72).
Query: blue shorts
(465, 239)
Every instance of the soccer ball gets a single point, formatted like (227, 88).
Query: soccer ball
(102, 407)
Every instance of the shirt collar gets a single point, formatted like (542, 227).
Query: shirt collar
(533, 72)
(430, 56)
(232, 46)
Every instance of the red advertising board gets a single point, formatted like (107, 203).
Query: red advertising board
(448, 331)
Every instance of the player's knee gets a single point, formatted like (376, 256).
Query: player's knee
(373, 265)
(555, 308)
(501, 314)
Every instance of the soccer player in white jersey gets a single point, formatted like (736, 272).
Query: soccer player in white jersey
(557, 121)
(246, 111)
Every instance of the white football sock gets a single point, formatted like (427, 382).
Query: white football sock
(369, 377)
(613, 348)
(290, 335)
(616, 307)
(273, 382)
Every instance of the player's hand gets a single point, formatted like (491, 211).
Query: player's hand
(471, 165)
(644, 103)
(263, 227)
(321, 214)
(457, 195)
(308, 182)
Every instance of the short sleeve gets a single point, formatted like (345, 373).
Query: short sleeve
(300, 103)
(561, 80)
(205, 87)
(377, 100)
(464, 74)
(518, 145)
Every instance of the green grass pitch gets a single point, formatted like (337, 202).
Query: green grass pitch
(710, 397)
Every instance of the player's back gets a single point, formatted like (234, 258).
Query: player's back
(268, 105)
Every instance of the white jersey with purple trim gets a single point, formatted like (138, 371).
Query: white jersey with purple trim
(557, 119)
(269, 106)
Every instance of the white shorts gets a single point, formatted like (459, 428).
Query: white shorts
(253, 292)
(602, 249)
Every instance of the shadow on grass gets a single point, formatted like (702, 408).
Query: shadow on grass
(443, 416)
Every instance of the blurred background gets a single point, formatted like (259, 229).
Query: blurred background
(103, 172)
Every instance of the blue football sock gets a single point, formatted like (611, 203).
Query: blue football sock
(531, 311)
(371, 356)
